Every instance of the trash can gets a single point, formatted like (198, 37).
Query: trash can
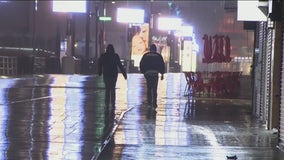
(68, 65)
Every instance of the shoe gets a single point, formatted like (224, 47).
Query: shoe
(232, 157)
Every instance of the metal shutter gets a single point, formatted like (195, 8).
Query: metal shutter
(255, 73)
(260, 75)
(268, 75)
(262, 86)
(281, 125)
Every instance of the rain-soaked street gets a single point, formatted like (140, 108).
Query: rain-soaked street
(60, 117)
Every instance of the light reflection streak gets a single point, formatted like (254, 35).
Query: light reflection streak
(64, 128)
(134, 94)
(121, 97)
(121, 94)
(73, 112)
(217, 150)
(164, 133)
(56, 131)
(134, 89)
(172, 130)
(160, 118)
(4, 84)
(173, 89)
(32, 122)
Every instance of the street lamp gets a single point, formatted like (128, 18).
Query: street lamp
(170, 24)
(34, 25)
(68, 62)
(70, 7)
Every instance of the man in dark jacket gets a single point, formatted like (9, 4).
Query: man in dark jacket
(109, 62)
(151, 64)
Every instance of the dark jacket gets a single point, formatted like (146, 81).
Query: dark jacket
(152, 61)
(109, 64)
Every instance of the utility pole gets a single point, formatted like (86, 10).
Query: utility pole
(96, 31)
(34, 26)
(73, 31)
(87, 43)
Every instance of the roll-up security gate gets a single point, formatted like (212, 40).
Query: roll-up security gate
(260, 74)
(263, 73)
(268, 76)
(281, 124)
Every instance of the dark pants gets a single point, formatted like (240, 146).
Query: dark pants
(152, 85)
(110, 83)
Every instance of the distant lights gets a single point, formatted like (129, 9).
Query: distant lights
(185, 31)
(242, 59)
(27, 49)
(169, 23)
(105, 18)
(129, 15)
(69, 6)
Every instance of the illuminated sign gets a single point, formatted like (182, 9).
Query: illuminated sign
(188, 57)
(126, 15)
(167, 23)
(249, 11)
(105, 18)
(185, 31)
(69, 6)
(139, 43)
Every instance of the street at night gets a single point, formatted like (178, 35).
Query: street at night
(136, 80)
(64, 117)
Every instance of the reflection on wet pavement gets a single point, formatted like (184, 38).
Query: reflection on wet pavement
(64, 117)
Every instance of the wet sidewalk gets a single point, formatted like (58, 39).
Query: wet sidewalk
(64, 117)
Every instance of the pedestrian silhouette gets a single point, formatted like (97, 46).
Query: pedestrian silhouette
(109, 62)
(151, 64)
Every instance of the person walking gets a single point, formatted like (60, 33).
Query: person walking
(151, 64)
(109, 62)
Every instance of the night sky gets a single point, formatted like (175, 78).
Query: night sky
(205, 16)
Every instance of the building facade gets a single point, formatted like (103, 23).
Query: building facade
(268, 65)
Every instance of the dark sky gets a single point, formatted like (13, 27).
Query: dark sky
(204, 16)
(9, 16)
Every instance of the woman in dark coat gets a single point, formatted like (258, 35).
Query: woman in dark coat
(109, 62)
